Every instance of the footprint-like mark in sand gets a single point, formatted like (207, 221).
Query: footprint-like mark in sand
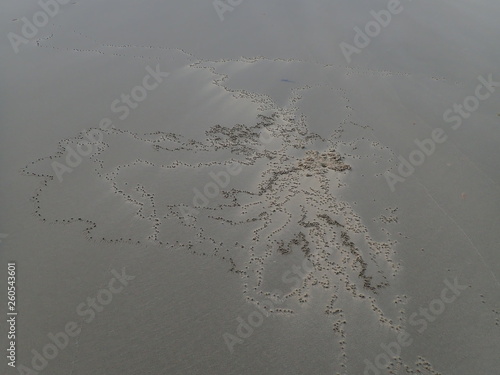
(280, 206)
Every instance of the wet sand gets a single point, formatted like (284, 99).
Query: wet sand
(250, 184)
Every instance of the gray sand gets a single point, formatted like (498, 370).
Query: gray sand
(255, 194)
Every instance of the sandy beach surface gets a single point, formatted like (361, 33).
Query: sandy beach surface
(250, 187)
